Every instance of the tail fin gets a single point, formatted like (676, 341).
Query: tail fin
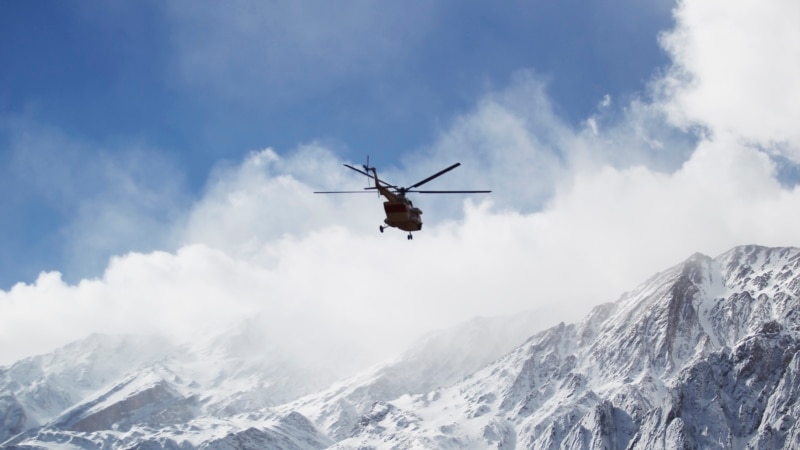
(368, 169)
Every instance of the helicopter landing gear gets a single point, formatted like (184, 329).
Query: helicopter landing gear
(381, 227)
(410, 236)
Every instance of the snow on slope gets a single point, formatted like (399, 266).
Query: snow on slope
(703, 355)
(290, 432)
(44, 386)
(105, 387)
(439, 359)
(226, 387)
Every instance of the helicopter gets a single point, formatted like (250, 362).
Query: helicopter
(400, 211)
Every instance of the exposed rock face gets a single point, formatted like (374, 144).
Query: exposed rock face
(155, 403)
(12, 417)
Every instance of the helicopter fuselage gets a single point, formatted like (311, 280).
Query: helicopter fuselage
(400, 212)
(402, 215)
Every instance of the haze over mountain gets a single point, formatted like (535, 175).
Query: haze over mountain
(701, 355)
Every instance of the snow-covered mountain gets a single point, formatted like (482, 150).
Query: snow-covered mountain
(110, 391)
(232, 388)
(702, 355)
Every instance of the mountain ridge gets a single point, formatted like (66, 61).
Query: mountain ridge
(703, 354)
(627, 371)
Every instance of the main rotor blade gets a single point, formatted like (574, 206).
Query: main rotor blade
(450, 192)
(438, 174)
(342, 192)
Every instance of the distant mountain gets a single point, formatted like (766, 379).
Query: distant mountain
(36, 390)
(702, 355)
(116, 391)
(234, 387)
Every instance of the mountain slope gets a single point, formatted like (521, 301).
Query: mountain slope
(703, 355)
(111, 391)
(226, 389)
(42, 387)
(439, 359)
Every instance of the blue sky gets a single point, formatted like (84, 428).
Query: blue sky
(202, 86)
(158, 159)
(195, 83)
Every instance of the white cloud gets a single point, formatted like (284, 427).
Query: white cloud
(336, 286)
(735, 70)
(157, 292)
(267, 196)
(576, 218)
(513, 144)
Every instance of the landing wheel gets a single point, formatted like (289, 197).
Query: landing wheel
(381, 228)
(410, 236)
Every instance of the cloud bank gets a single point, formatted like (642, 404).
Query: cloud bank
(735, 70)
(577, 216)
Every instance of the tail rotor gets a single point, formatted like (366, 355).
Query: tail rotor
(368, 169)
